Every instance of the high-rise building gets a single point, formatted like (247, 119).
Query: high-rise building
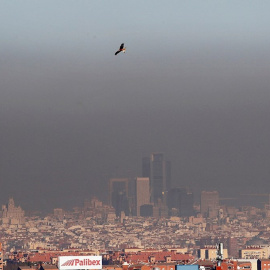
(118, 195)
(180, 202)
(142, 193)
(146, 167)
(209, 203)
(159, 172)
(132, 196)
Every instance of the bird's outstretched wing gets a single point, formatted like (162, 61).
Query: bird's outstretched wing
(120, 49)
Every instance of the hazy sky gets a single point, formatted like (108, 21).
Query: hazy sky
(194, 84)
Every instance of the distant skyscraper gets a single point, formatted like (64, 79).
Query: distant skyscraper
(174, 200)
(209, 203)
(146, 167)
(118, 195)
(142, 193)
(181, 201)
(168, 175)
(159, 177)
(159, 172)
(132, 196)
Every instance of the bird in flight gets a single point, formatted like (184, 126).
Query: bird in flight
(121, 49)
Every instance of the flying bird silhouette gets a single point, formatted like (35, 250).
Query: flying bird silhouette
(121, 49)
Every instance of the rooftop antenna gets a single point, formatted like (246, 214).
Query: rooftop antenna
(219, 253)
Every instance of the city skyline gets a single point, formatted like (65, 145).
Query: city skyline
(192, 84)
(95, 226)
(128, 195)
(239, 199)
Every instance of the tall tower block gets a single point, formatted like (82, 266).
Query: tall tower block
(118, 195)
(159, 172)
(209, 203)
(142, 193)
